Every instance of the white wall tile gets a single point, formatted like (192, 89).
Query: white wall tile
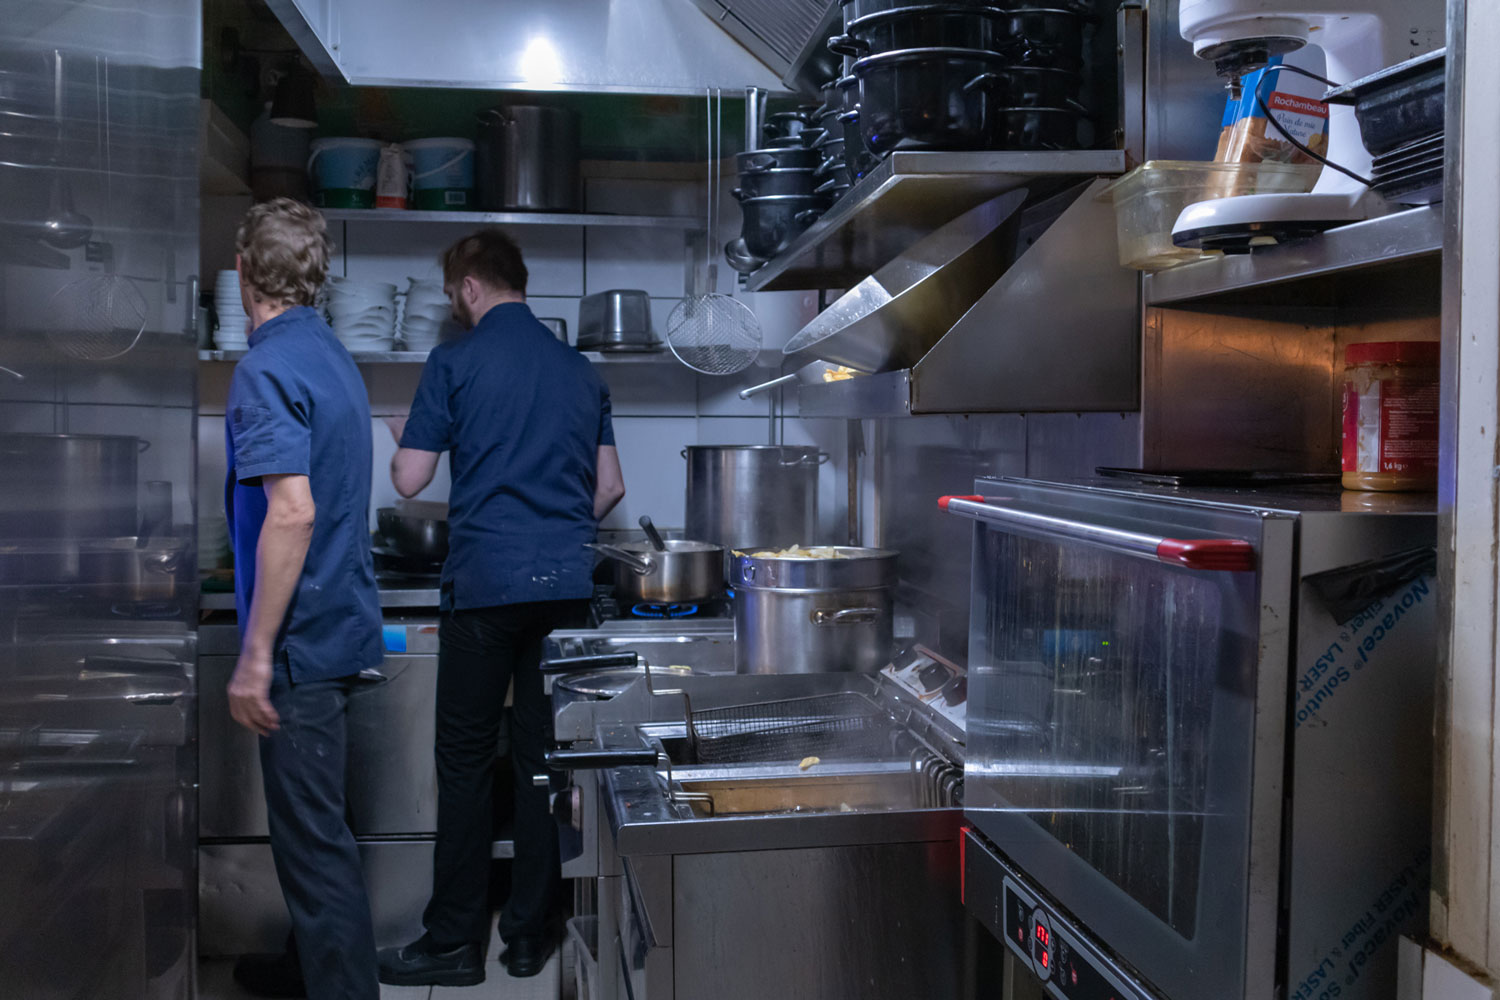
(733, 430)
(719, 395)
(641, 389)
(630, 196)
(394, 251)
(17, 417)
(655, 474)
(649, 259)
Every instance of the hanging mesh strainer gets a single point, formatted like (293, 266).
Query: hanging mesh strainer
(713, 333)
(98, 318)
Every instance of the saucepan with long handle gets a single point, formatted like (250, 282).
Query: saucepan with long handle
(685, 573)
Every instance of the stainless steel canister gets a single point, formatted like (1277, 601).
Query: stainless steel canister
(803, 616)
(743, 495)
(69, 485)
(526, 158)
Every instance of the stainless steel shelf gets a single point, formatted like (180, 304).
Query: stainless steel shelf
(683, 223)
(907, 196)
(662, 356)
(1392, 239)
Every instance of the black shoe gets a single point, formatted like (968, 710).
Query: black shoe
(277, 976)
(526, 956)
(421, 963)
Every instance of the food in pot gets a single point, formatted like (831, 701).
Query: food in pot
(799, 552)
(808, 762)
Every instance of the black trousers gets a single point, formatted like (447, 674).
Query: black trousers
(317, 861)
(480, 651)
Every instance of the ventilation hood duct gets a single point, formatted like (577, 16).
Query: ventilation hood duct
(1059, 330)
(589, 46)
(789, 36)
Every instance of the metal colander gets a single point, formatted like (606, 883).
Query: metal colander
(845, 724)
(98, 318)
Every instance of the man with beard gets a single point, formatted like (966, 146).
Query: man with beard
(525, 421)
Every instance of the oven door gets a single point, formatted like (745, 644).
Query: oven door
(1127, 688)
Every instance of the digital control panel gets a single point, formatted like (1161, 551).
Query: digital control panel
(1067, 966)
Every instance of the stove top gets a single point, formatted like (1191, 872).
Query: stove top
(604, 607)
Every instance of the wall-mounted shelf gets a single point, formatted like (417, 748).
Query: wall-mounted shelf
(663, 356)
(1400, 238)
(590, 219)
(905, 197)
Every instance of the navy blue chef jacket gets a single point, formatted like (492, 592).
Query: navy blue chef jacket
(297, 406)
(523, 416)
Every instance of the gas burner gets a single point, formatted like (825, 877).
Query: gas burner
(664, 610)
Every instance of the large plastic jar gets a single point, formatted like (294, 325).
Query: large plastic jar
(1391, 415)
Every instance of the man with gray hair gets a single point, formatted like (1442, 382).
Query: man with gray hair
(298, 495)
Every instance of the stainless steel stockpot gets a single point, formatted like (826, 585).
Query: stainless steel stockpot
(803, 616)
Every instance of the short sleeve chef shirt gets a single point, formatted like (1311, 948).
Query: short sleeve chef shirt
(297, 406)
(522, 416)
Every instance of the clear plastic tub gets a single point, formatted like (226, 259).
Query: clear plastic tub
(1149, 199)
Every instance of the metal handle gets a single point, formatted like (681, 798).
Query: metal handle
(641, 564)
(848, 45)
(598, 661)
(783, 380)
(1232, 555)
(845, 616)
(818, 459)
(585, 760)
(985, 80)
(652, 534)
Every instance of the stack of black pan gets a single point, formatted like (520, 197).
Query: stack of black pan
(964, 75)
(778, 186)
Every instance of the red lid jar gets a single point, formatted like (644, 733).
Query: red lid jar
(1391, 415)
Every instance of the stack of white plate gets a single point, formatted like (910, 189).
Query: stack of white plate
(426, 309)
(234, 326)
(363, 313)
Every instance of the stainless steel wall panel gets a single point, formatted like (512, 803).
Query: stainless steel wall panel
(99, 107)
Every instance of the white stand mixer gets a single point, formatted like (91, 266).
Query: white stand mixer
(1357, 39)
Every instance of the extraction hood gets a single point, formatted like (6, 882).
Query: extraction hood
(1059, 330)
(610, 46)
(790, 36)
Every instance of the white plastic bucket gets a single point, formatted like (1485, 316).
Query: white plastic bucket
(343, 172)
(442, 173)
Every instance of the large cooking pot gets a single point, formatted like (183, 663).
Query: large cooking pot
(526, 158)
(784, 180)
(742, 495)
(804, 616)
(934, 98)
(773, 221)
(686, 573)
(960, 25)
(68, 485)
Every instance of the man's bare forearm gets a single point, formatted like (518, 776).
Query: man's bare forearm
(279, 557)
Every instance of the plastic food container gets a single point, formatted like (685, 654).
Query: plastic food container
(343, 172)
(1149, 199)
(442, 173)
(1391, 415)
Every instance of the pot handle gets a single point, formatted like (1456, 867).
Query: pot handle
(583, 664)
(583, 760)
(821, 458)
(848, 45)
(809, 216)
(763, 161)
(849, 117)
(845, 616)
(641, 564)
(983, 80)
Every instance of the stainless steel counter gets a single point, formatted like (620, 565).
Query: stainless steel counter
(390, 597)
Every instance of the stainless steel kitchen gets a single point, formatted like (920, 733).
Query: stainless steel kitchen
(738, 499)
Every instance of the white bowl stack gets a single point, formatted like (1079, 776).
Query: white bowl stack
(362, 313)
(426, 310)
(234, 326)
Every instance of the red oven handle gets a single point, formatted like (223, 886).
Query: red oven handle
(1230, 555)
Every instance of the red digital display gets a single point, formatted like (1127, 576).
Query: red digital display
(1041, 934)
(1046, 960)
